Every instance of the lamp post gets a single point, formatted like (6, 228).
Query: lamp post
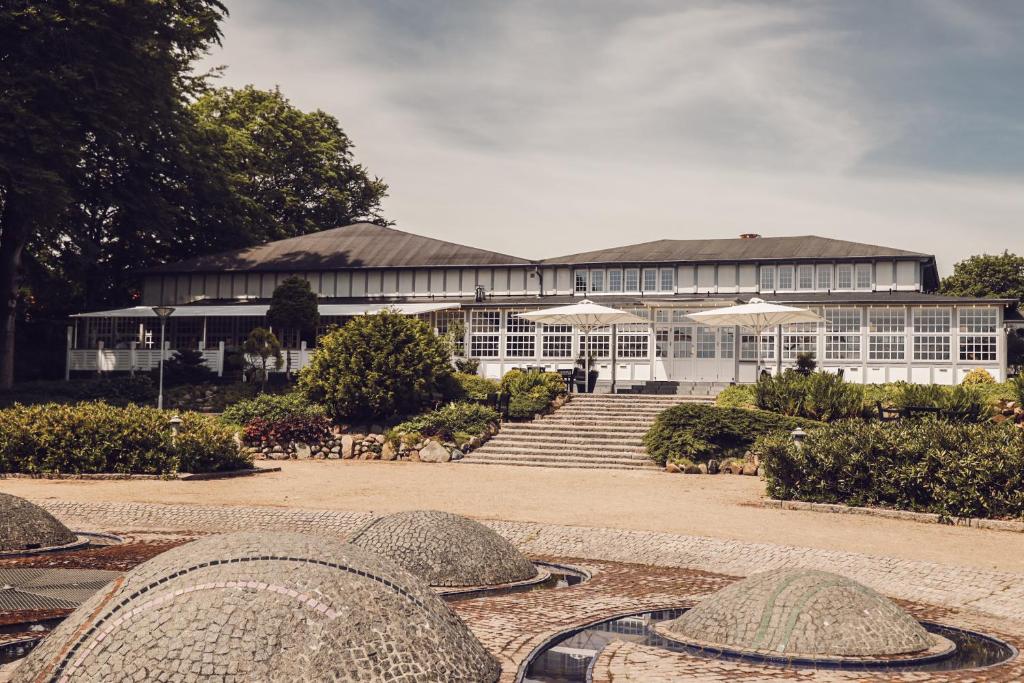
(162, 312)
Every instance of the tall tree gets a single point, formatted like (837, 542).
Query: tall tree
(290, 172)
(109, 78)
(293, 306)
(988, 275)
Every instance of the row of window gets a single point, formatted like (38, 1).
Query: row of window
(822, 276)
(887, 338)
(625, 280)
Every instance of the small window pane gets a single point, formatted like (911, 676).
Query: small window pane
(614, 280)
(632, 280)
(864, 276)
(668, 279)
(650, 280)
(597, 281)
(581, 282)
(805, 278)
(767, 278)
(824, 277)
(844, 277)
(785, 277)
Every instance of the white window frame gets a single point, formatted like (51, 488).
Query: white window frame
(861, 269)
(631, 274)
(613, 275)
(978, 326)
(800, 272)
(484, 333)
(555, 339)
(843, 334)
(668, 285)
(766, 278)
(841, 270)
(520, 336)
(597, 281)
(823, 277)
(580, 282)
(782, 274)
(932, 333)
(650, 276)
(887, 334)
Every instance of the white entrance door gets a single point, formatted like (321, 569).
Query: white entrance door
(682, 353)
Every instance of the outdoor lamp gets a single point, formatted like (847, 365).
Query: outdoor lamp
(162, 312)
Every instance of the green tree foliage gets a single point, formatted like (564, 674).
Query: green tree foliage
(84, 83)
(377, 366)
(815, 395)
(988, 275)
(289, 172)
(293, 306)
(260, 348)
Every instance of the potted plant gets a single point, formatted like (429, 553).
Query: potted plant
(591, 381)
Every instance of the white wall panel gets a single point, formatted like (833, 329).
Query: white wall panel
(705, 278)
(748, 278)
(727, 278)
(685, 279)
(906, 275)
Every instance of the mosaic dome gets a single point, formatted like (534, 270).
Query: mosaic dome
(801, 613)
(26, 526)
(445, 550)
(263, 607)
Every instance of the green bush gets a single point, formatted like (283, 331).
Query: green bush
(701, 432)
(530, 393)
(816, 395)
(469, 418)
(120, 390)
(978, 376)
(950, 468)
(377, 366)
(87, 438)
(467, 387)
(1017, 388)
(214, 398)
(272, 408)
(737, 396)
(184, 367)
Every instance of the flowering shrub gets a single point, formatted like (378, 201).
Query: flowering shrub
(308, 429)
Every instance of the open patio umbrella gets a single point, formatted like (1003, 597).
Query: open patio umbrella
(757, 314)
(585, 315)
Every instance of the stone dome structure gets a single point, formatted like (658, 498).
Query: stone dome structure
(26, 526)
(263, 607)
(802, 613)
(445, 550)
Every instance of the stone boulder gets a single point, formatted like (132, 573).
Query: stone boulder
(348, 443)
(435, 452)
(388, 452)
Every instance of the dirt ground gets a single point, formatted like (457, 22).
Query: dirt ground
(717, 506)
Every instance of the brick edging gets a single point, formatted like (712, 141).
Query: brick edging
(922, 517)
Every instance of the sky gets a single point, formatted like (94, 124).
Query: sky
(557, 126)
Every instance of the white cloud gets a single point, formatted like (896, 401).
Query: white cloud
(540, 129)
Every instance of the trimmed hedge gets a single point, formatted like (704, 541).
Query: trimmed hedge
(271, 408)
(466, 418)
(701, 432)
(92, 438)
(530, 393)
(737, 396)
(122, 391)
(950, 468)
(470, 387)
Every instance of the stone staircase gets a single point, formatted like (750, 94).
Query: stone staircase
(591, 431)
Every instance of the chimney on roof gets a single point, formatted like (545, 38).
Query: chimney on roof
(749, 236)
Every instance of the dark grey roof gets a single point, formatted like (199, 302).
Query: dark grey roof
(759, 249)
(360, 245)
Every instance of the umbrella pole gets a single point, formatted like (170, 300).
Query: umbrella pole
(586, 352)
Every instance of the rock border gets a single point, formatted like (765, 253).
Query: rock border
(114, 476)
(906, 515)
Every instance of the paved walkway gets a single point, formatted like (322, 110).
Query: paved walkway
(994, 593)
(722, 506)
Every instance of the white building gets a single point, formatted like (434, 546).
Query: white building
(882, 321)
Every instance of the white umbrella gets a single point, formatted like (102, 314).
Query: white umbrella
(585, 315)
(757, 314)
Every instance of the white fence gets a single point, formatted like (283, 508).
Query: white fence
(134, 359)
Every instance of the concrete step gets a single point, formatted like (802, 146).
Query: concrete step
(572, 421)
(537, 461)
(532, 456)
(561, 465)
(554, 447)
(568, 440)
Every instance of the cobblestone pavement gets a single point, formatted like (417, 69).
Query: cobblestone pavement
(633, 571)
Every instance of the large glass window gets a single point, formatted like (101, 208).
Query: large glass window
(864, 276)
(614, 280)
(824, 277)
(632, 280)
(931, 333)
(451, 320)
(785, 277)
(599, 345)
(887, 340)
(597, 281)
(668, 279)
(805, 277)
(799, 338)
(978, 334)
(484, 337)
(842, 334)
(767, 278)
(844, 276)
(706, 342)
(520, 336)
(580, 282)
(632, 345)
(726, 343)
(556, 341)
(748, 348)
(682, 342)
(650, 280)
